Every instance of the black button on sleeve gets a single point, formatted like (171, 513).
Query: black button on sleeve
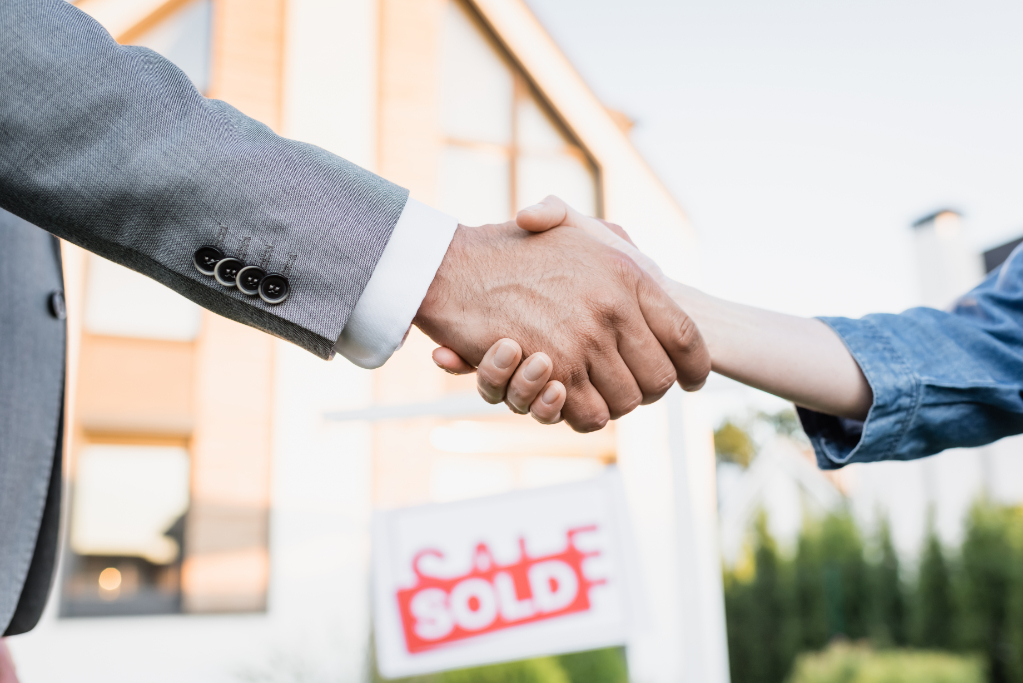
(226, 271)
(274, 288)
(206, 259)
(249, 278)
(58, 307)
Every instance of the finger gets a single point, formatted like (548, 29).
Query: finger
(613, 379)
(496, 369)
(554, 212)
(677, 334)
(546, 408)
(551, 212)
(449, 361)
(584, 409)
(616, 229)
(528, 381)
(646, 359)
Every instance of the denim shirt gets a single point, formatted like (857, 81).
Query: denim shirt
(941, 379)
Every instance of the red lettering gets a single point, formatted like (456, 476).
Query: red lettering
(437, 611)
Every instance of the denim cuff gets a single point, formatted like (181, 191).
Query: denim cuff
(838, 441)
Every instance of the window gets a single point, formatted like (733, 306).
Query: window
(184, 38)
(503, 148)
(169, 474)
(127, 527)
(122, 303)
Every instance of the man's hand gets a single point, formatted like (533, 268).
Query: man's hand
(614, 338)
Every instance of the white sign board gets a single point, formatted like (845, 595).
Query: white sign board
(524, 574)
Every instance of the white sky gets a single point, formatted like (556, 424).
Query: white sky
(804, 137)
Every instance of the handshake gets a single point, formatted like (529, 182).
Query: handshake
(587, 311)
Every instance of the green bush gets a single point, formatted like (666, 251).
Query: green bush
(543, 670)
(844, 663)
(967, 599)
(595, 666)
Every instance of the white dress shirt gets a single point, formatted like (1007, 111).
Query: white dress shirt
(382, 317)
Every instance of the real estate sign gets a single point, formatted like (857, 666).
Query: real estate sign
(523, 574)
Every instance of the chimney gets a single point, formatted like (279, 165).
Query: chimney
(947, 267)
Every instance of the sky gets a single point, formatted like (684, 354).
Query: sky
(804, 137)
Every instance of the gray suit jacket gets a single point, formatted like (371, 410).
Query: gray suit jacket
(113, 149)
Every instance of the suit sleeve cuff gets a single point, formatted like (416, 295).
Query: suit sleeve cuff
(382, 317)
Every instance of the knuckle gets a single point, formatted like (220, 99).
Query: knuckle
(575, 376)
(588, 419)
(585, 425)
(517, 403)
(621, 265)
(689, 338)
(698, 378)
(544, 416)
(659, 385)
(490, 378)
(514, 408)
(626, 405)
(607, 311)
(489, 392)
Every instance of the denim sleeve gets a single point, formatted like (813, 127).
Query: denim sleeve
(941, 379)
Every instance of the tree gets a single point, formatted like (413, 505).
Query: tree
(846, 588)
(810, 600)
(888, 613)
(988, 563)
(761, 646)
(934, 601)
(732, 443)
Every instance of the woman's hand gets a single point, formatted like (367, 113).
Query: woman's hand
(799, 359)
(502, 375)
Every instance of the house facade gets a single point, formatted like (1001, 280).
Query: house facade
(221, 483)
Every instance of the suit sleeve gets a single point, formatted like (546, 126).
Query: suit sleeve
(112, 148)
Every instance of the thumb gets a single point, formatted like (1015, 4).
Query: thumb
(552, 212)
(450, 362)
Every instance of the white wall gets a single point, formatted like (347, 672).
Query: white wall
(317, 621)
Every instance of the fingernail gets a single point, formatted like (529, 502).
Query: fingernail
(534, 207)
(551, 395)
(505, 355)
(535, 369)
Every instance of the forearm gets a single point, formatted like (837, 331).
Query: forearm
(112, 148)
(799, 359)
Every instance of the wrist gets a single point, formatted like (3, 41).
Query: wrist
(426, 317)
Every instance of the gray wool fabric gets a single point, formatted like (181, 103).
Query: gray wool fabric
(113, 149)
(31, 396)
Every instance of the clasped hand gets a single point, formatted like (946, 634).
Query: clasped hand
(599, 335)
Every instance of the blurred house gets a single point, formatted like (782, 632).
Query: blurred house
(941, 489)
(938, 490)
(221, 482)
(784, 483)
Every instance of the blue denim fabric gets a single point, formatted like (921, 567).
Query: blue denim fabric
(941, 379)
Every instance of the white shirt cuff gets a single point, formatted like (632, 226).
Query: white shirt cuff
(382, 317)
